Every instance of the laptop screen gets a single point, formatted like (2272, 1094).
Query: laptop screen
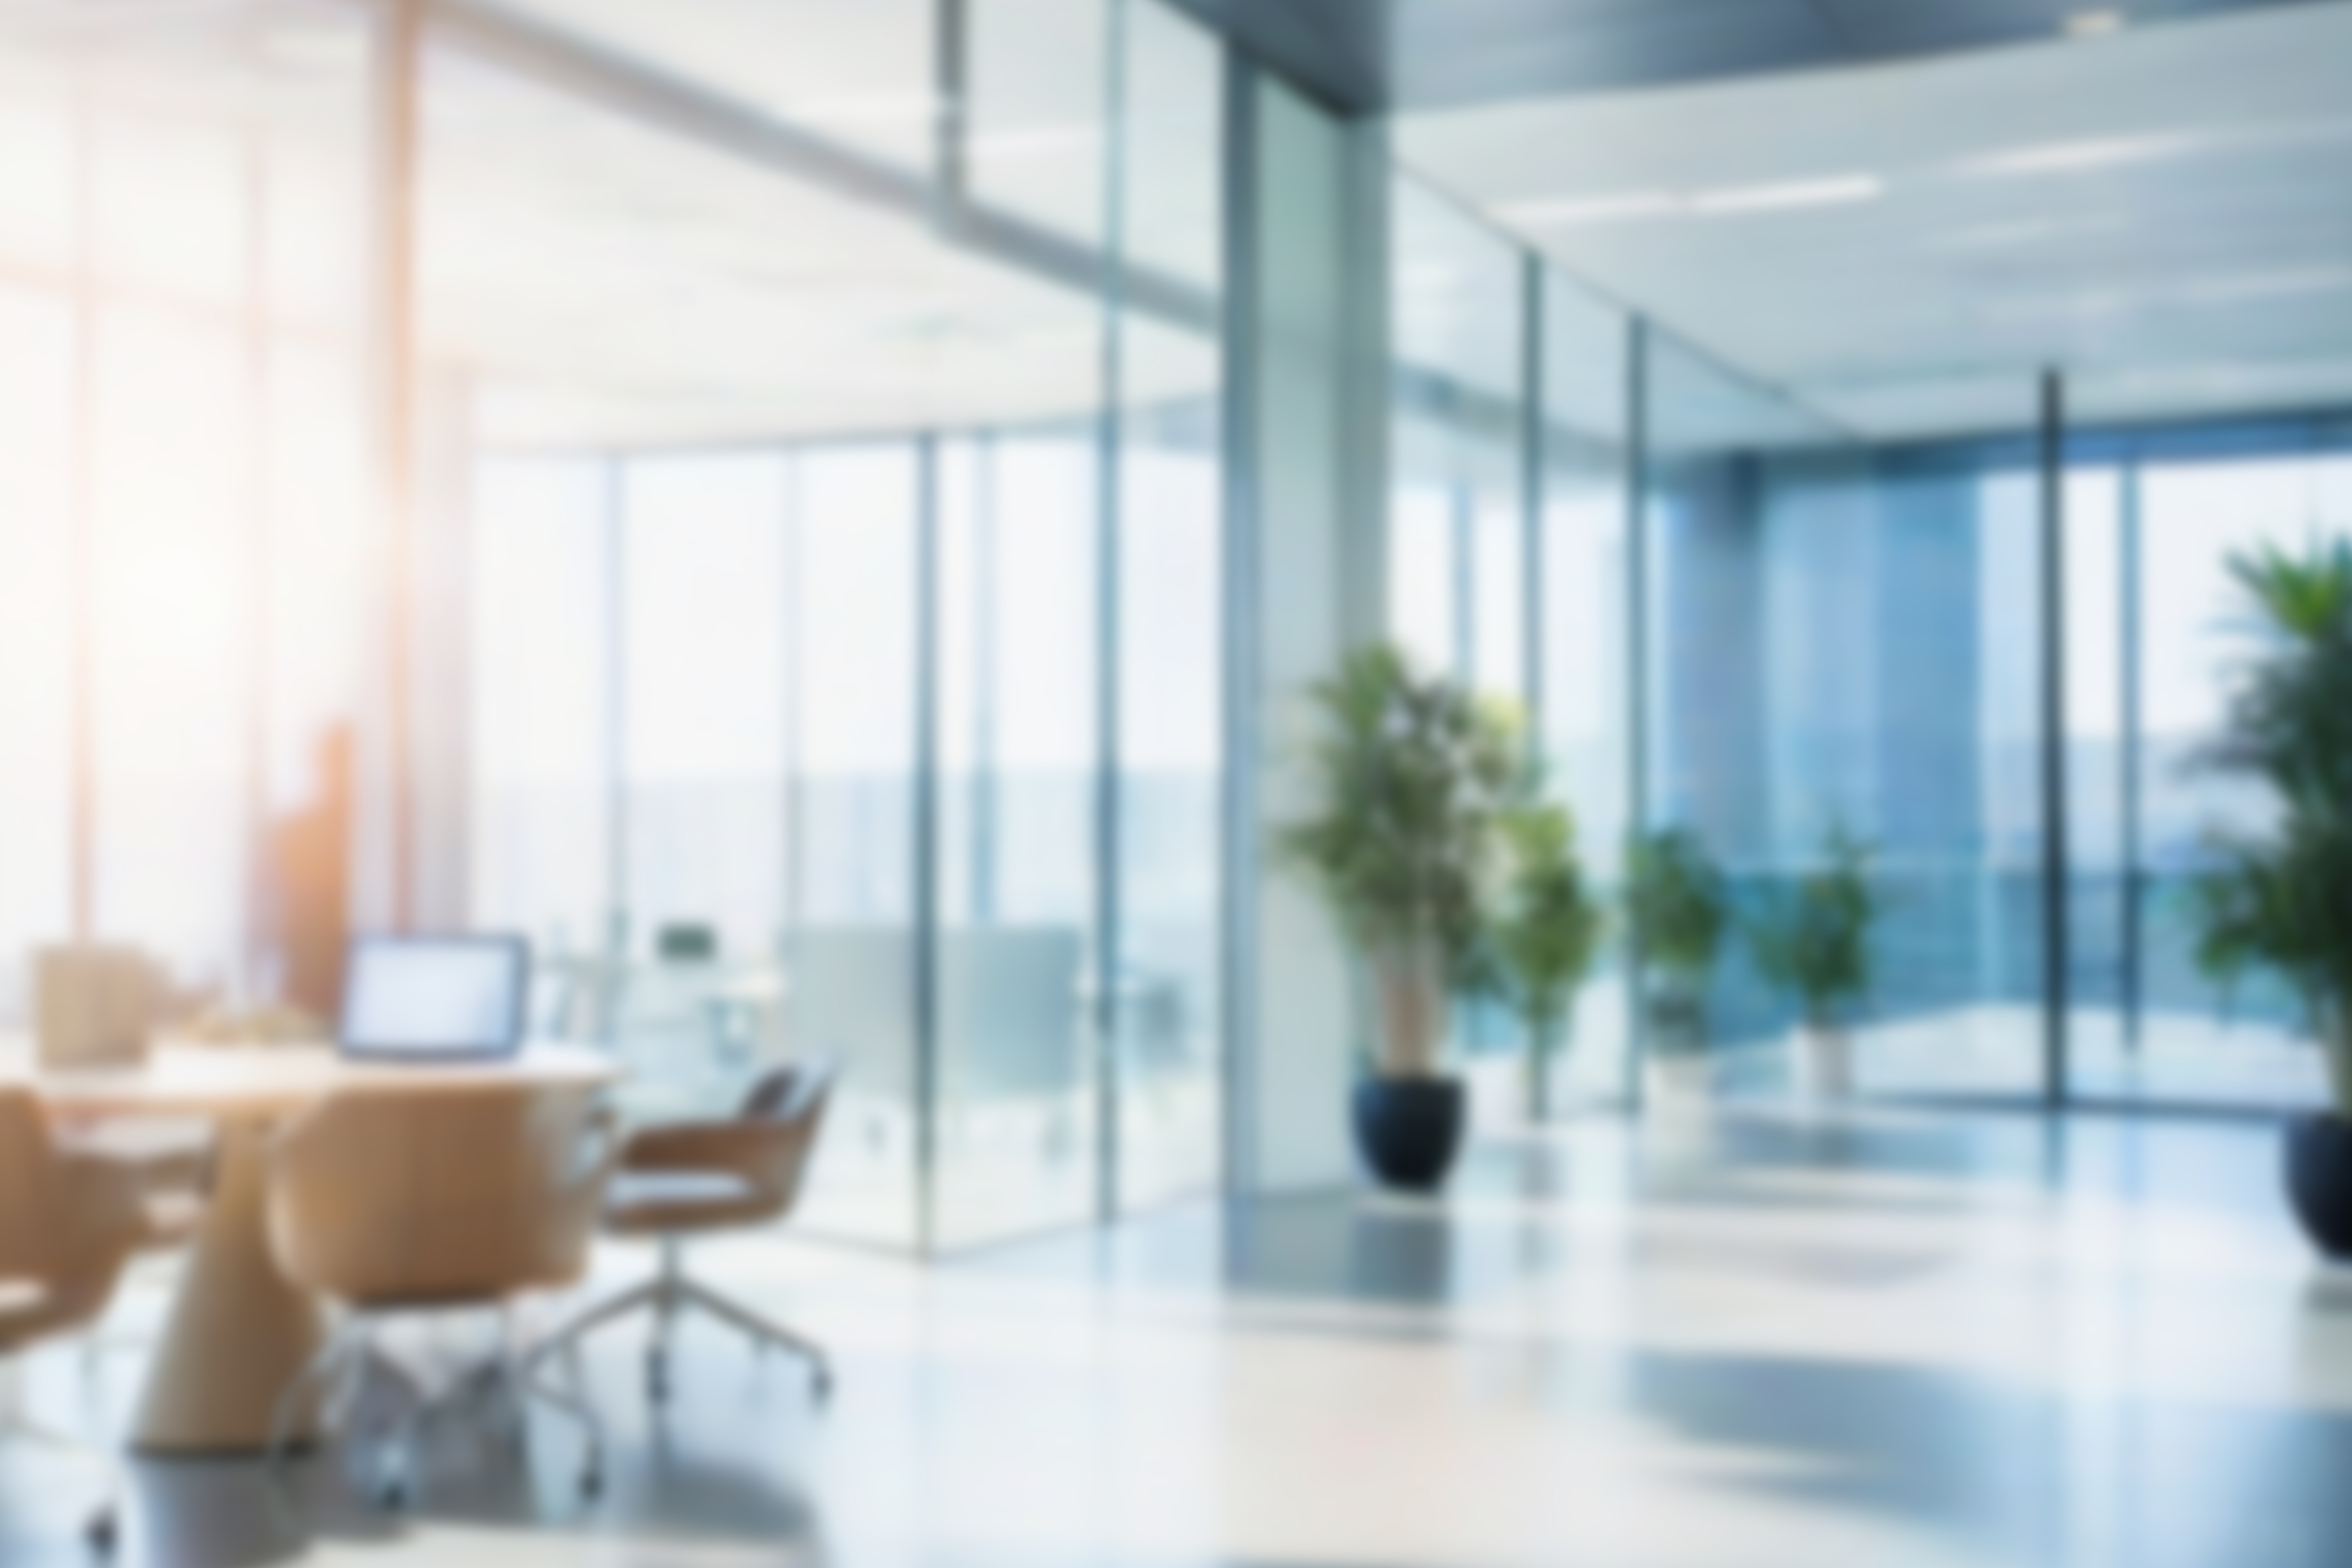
(434, 999)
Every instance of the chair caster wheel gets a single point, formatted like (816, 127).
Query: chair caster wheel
(391, 1497)
(101, 1533)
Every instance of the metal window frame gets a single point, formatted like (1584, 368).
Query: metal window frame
(925, 828)
(1533, 404)
(2134, 871)
(2057, 902)
(615, 523)
(81, 513)
(390, 370)
(1109, 889)
(1637, 676)
(1240, 644)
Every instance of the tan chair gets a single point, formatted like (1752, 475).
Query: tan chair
(689, 1179)
(69, 1220)
(395, 1202)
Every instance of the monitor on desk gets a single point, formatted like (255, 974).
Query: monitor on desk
(430, 999)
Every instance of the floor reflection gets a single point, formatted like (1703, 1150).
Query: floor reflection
(1772, 1336)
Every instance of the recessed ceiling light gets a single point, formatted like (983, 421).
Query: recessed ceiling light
(312, 47)
(2068, 157)
(1569, 211)
(1836, 191)
(2094, 24)
(1431, 276)
(1035, 141)
(880, 109)
(2031, 232)
(1627, 206)
(2218, 289)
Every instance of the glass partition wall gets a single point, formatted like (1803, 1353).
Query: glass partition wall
(873, 685)
(2180, 502)
(1757, 667)
(766, 544)
(732, 492)
(1509, 565)
(845, 633)
(1993, 660)
(183, 511)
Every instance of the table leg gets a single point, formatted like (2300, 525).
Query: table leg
(240, 1333)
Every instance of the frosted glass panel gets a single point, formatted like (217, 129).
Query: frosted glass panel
(703, 699)
(853, 649)
(542, 704)
(1019, 739)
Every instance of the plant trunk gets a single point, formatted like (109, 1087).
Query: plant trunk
(1543, 1044)
(1410, 980)
(2336, 1045)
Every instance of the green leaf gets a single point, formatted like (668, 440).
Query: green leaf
(1812, 938)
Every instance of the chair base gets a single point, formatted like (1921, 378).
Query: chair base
(670, 1294)
(102, 1531)
(342, 1371)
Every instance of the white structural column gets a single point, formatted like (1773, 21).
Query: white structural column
(1306, 412)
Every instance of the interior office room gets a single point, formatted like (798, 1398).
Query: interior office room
(1175, 783)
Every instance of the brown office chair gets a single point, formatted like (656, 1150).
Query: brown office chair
(69, 1220)
(401, 1202)
(689, 1179)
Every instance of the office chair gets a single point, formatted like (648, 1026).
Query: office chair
(398, 1202)
(679, 1180)
(69, 1220)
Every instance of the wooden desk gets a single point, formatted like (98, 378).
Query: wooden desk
(240, 1333)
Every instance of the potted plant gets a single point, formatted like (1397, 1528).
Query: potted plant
(1812, 942)
(2281, 900)
(1676, 913)
(1543, 934)
(1411, 774)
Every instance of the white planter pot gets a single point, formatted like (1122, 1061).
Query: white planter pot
(1824, 1061)
(1677, 1080)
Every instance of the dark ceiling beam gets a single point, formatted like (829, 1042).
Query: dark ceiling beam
(1373, 57)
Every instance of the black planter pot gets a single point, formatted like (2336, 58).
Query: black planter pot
(1410, 1129)
(2319, 1181)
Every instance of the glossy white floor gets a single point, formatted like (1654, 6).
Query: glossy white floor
(1771, 1339)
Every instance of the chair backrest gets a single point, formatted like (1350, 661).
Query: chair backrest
(68, 1222)
(390, 1196)
(783, 1113)
(26, 1202)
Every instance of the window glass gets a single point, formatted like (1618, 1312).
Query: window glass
(1584, 672)
(1166, 1002)
(180, 496)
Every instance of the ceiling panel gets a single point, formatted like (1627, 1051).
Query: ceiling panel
(2161, 210)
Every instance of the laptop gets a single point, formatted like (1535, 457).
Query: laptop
(431, 1000)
